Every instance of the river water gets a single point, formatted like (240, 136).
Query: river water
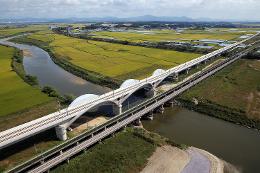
(235, 144)
(37, 62)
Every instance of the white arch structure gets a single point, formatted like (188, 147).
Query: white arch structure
(63, 118)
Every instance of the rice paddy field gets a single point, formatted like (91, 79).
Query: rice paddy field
(172, 35)
(5, 32)
(15, 94)
(112, 60)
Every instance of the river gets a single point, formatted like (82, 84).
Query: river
(233, 143)
(37, 62)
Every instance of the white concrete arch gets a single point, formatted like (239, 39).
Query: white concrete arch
(135, 90)
(173, 74)
(128, 83)
(84, 99)
(158, 72)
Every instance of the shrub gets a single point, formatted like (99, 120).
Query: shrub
(50, 91)
(54, 93)
(67, 99)
(32, 80)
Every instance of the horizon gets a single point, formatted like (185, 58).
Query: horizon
(195, 9)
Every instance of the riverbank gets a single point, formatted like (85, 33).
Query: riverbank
(20, 102)
(221, 138)
(137, 150)
(232, 94)
(127, 151)
(221, 112)
(16, 94)
(115, 62)
(76, 70)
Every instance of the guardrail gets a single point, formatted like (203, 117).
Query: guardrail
(116, 119)
(57, 118)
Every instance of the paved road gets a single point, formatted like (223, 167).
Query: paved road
(198, 163)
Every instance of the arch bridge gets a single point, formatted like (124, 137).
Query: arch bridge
(62, 119)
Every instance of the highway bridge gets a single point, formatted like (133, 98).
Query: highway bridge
(62, 119)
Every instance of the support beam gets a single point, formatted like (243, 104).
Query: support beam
(61, 133)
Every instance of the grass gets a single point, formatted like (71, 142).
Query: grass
(6, 32)
(20, 103)
(126, 152)
(15, 94)
(111, 60)
(236, 88)
(28, 114)
(171, 35)
(20, 152)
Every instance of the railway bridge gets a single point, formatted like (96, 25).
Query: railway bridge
(61, 120)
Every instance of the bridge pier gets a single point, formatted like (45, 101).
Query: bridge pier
(171, 103)
(149, 116)
(187, 71)
(176, 78)
(138, 122)
(61, 133)
(117, 109)
(161, 109)
(120, 109)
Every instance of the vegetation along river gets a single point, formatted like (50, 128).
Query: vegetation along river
(37, 62)
(233, 143)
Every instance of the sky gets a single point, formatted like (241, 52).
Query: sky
(214, 9)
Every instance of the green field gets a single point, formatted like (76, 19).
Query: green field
(236, 87)
(5, 32)
(126, 152)
(171, 35)
(15, 94)
(112, 60)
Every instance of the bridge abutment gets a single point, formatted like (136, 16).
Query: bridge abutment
(61, 133)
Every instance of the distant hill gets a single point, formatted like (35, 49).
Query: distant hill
(145, 18)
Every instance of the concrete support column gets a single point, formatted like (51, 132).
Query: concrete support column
(117, 109)
(138, 122)
(150, 115)
(197, 66)
(176, 76)
(161, 109)
(61, 132)
(120, 109)
(171, 103)
(187, 71)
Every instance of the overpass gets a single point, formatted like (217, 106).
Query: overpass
(62, 119)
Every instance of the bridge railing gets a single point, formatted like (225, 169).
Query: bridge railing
(65, 114)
